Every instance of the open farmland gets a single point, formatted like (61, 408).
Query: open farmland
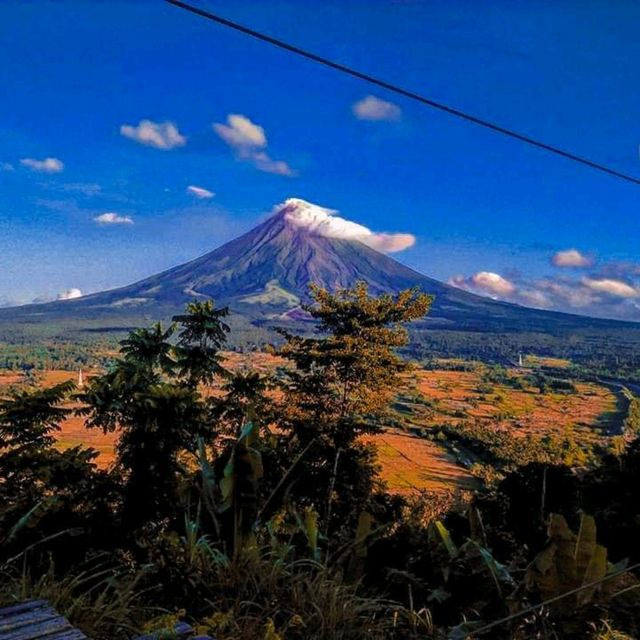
(413, 454)
(462, 397)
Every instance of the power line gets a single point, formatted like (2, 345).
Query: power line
(399, 90)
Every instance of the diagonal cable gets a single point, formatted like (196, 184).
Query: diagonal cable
(496, 128)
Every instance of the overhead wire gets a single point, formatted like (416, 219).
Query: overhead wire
(407, 93)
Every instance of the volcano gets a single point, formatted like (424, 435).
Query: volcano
(264, 275)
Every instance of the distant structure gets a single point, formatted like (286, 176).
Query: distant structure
(520, 361)
(80, 379)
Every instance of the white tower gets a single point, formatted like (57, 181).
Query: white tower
(80, 379)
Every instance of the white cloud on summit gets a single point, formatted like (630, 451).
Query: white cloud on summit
(113, 218)
(48, 165)
(249, 142)
(323, 222)
(161, 135)
(571, 258)
(372, 108)
(200, 192)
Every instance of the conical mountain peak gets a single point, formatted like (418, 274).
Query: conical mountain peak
(266, 272)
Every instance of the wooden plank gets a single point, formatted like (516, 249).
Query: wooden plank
(39, 630)
(33, 620)
(25, 618)
(72, 634)
(22, 606)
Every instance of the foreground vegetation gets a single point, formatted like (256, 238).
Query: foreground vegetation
(257, 511)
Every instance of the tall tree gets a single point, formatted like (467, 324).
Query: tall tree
(57, 490)
(342, 383)
(151, 397)
(202, 336)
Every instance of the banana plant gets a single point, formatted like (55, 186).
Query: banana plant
(570, 561)
(471, 557)
(363, 538)
(239, 486)
(308, 524)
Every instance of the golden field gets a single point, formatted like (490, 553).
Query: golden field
(410, 462)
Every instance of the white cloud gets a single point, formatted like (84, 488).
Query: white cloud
(200, 192)
(69, 294)
(485, 282)
(493, 283)
(323, 222)
(6, 166)
(249, 142)
(534, 298)
(565, 292)
(571, 258)
(161, 135)
(113, 218)
(372, 108)
(241, 133)
(48, 165)
(612, 287)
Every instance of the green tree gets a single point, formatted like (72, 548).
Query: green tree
(151, 397)
(149, 349)
(46, 490)
(340, 388)
(202, 336)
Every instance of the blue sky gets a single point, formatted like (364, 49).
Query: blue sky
(488, 213)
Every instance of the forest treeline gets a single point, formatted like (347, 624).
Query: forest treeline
(613, 352)
(251, 506)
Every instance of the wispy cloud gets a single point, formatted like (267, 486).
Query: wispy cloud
(6, 166)
(85, 188)
(113, 218)
(571, 258)
(47, 165)
(200, 192)
(265, 163)
(372, 108)
(249, 142)
(161, 135)
(622, 270)
(615, 288)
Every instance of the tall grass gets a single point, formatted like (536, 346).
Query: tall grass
(105, 603)
(270, 589)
